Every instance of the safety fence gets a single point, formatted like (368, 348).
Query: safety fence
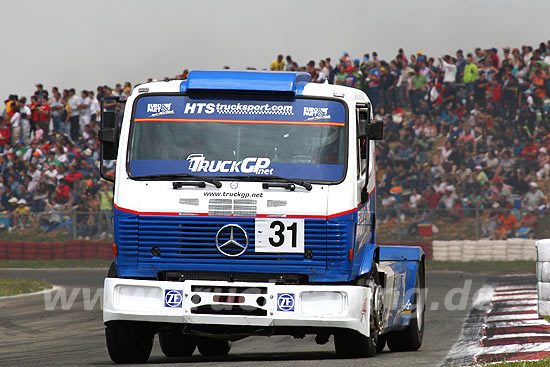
(460, 251)
(397, 224)
(60, 225)
(69, 250)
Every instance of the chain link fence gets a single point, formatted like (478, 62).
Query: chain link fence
(59, 225)
(394, 224)
(412, 224)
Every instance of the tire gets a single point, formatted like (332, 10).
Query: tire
(381, 344)
(177, 345)
(410, 339)
(351, 343)
(129, 341)
(213, 347)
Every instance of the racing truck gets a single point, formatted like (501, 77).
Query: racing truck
(244, 205)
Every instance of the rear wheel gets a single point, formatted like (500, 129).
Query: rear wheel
(177, 344)
(129, 341)
(381, 344)
(410, 339)
(213, 347)
(351, 343)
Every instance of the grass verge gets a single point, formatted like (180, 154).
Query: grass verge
(12, 287)
(487, 267)
(539, 363)
(43, 264)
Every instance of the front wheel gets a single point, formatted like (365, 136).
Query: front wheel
(177, 345)
(351, 343)
(213, 347)
(129, 341)
(410, 339)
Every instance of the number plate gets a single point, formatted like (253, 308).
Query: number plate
(279, 235)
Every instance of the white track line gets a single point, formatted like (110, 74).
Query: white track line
(526, 308)
(53, 288)
(512, 317)
(526, 323)
(514, 287)
(518, 297)
(503, 304)
(515, 348)
(519, 335)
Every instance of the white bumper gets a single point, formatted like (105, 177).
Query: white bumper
(285, 305)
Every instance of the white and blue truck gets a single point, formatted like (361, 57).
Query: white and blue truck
(245, 205)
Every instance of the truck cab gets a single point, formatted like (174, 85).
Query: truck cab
(245, 205)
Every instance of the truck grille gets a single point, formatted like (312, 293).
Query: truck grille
(190, 241)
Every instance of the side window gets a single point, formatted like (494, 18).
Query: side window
(362, 113)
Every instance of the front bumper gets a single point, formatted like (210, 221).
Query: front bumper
(238, 304)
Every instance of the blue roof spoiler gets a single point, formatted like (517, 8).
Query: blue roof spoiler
(254, 81)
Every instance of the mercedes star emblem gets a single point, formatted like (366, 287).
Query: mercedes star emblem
(227, 240)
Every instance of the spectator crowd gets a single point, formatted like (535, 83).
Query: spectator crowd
(49, 161)
(464, 133)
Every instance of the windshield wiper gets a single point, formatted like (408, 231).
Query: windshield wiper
(179, 176)
(302, 183)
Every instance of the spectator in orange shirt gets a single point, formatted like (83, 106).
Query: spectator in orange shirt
(508, 223)
(539, 93)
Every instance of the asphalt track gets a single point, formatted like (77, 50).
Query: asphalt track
(32, 335)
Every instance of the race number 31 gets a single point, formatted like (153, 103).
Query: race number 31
(279, 235)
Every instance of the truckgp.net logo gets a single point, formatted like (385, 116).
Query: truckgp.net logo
(239, 109)
(259, 166)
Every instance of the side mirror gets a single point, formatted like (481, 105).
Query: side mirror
(108, 132)
(375, 130)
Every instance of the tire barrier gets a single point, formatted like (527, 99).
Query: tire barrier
(70, 250)
(543, 277)
(484, 250)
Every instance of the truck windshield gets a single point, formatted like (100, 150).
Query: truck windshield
(298, 138)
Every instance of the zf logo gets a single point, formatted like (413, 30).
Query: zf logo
(285, 302)
(173, 298)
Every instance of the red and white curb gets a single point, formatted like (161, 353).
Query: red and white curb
(511, 330)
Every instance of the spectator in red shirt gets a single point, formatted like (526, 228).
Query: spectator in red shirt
(496, 91)
(43, 110)
(62, 192)
(5, 134)
(529, 154)
(72, 175)
(432, 198)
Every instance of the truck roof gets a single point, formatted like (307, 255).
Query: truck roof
(294, 83)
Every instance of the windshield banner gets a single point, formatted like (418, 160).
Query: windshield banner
(294, 138)
(185, 108)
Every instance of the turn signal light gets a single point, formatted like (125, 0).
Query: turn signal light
(115, 250)
(350, 254)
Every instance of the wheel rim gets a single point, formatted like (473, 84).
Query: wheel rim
(376, 312)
